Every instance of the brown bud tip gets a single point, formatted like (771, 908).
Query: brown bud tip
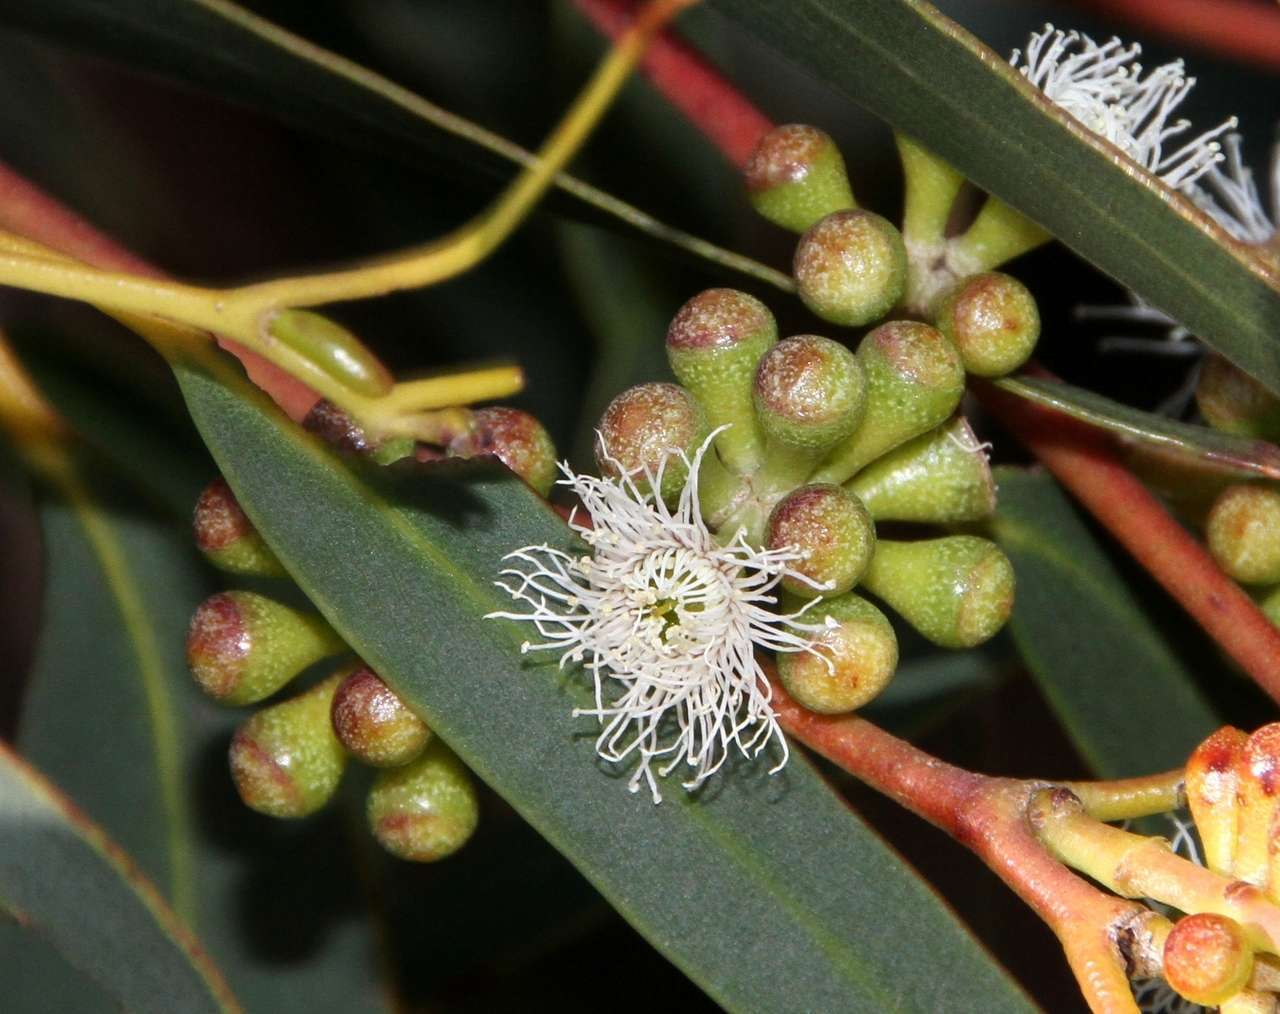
(517, 439)
(809, 392)
(1207, 958)
(374, 724)
(855, 658)
(1243, 531)
(993, 321)
(795, 176)
(833, 530)
(851, 267)
(227, 537)
(720, 318)
(642, 426)
(425, 810)
(332, 425)
(1232, 401)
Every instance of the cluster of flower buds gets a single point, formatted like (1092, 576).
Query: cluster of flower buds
(288, 758)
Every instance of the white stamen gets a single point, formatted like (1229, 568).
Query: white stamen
(666, 616)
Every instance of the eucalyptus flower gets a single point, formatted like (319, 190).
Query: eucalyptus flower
(667, 618)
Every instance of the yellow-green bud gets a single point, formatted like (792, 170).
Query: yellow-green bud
(374, 724)
(713, 344)
(285, 760)
(1243, 531)
(796, 176)
(856, 658)
(833, 530)
(915, 380)
(1268, 600)
(957, 591)
(1232, 401)
(942, 477)
(639, 429)
(227, 537)
(1207, 958)
(850, 267)
(992, 319)
(243, 647)
(516, 439)
(333, 349)
(425, 810)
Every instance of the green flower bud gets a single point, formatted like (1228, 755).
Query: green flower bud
(851, 267)
(334, 349)
(942, 477)
(833, 530)
(992, 319)
(855, 661)
(1208, 958)
(1232, 401)
(1268, 600)
(374, 724)
(285, 759)
(425, 810)
(227, 537)
(1243, 532)
(809, 396)
(713, 344)
(243, 647)
(516, 439)
(957, 591)
(915, 380)
(796, 176)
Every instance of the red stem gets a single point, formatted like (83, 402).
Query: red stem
(28, 211)
(1245, 29)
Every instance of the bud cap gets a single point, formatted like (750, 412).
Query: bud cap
(854, 660)
(833, 530)
(993, 320)
(851, 267)
(425, 810)
(796, 176)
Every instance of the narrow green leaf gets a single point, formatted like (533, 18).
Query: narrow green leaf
(1105, 669)
(928, 77)
(769, 893)
(61, 876)
(1250, 458)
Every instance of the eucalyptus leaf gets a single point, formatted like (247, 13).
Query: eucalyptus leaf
(768, 892)
(1105, 669)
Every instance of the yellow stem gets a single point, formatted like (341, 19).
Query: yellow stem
(931, 189)
(1128, 798)
(998, 234)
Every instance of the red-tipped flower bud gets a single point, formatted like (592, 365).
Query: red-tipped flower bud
(516, 439)
(333, 349)
(227, 537)
(285, 760)
(1243, 531)
(1207, 958)
(242, 647)
(1232, 401)
(425, 810)
(854, 660)
(374, 724)
(993, 320)
(957, 591)
(942, 477)
(915, 379)
(796, 176)
(850, 268)
(1212, 781)
(833, 530)
(713, 344)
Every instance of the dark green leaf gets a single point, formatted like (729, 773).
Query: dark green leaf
(1245, 456)
(769, 893)
(1127, 701)
(931, 79)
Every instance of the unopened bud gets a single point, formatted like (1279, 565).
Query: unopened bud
(796, 176)
(374, 724)
(243, 647)
(942, 477)
(1258, 798)
(852, 661)
(227, 537)
(915, 380)
(1207, 958)
(993, 320)
(1232, 401)
(832, 529)
(333, 349)
(850, 268)
(516, 439)
(425, 810)
(713, 344)
(285, 759)
(1212, 779)
(1243, 532)
(957, 591)
(809, 396)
